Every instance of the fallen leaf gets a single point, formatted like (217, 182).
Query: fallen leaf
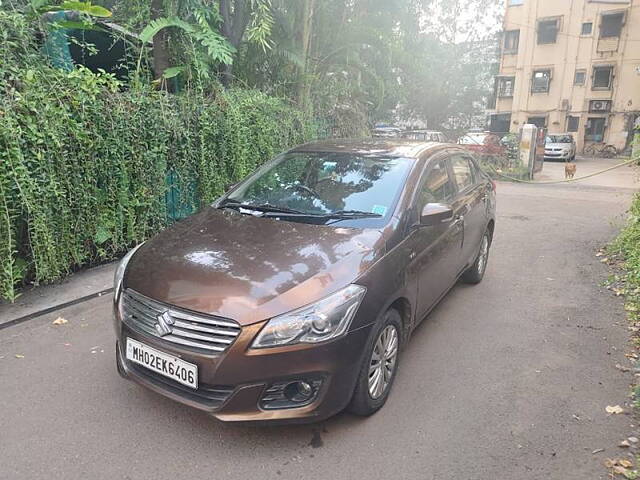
(620, 470)
(633, 439)
(624, 444)
(625, 463)
(622, 368)
(19, 356)
(610, 463)
(614, 410)
(598, 450)
(60, 321)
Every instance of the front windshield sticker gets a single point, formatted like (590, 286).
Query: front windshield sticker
(379, 209)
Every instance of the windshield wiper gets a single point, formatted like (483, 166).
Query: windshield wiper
(264, 207)
(340, 214)
(275, 211)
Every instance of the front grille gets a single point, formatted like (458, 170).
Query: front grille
(211, 396)
(197, 332)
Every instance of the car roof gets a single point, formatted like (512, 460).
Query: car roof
(391, 147)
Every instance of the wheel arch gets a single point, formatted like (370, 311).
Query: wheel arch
(403, 307)
(491, 227)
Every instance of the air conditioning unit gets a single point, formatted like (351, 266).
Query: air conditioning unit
(600, 106)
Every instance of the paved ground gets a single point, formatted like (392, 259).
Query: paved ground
(505, 380)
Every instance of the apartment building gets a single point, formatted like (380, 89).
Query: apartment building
(570, 66)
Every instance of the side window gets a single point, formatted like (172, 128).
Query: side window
(462, 173)
(437, 186)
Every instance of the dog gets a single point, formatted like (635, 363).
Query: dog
(569, 170)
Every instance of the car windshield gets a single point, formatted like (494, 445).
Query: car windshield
(325, 183)
(559, 139)
(473, 139)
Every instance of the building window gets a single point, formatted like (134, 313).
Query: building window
(511, 41)
(602, 78)
(587, 28)
(541, 81)
(580, 77)
(573, 124)
(611, 24)
(548, 30)
(500, 123)
(595, 129)
(506, 86)
(540, 122)
(513, 3)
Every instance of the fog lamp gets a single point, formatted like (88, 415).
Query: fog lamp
(298, 391)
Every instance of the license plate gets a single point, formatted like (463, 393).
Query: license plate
(167, 365)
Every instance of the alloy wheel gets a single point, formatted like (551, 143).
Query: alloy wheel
(484, 255)
(383, 361)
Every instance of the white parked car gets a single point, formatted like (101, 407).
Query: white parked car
(560, 146)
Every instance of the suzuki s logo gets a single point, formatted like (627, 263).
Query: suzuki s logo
(163, 324)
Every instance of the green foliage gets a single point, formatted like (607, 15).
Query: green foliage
(84, 162)
(158, 24)
(627, 246)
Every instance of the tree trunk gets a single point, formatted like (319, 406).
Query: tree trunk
(160, 50)
(234, 24)
(304, 33)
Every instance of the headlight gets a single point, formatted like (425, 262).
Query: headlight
(122, 266)
(324, 320)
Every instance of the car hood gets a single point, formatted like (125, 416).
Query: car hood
(247, 268)
(566, 146)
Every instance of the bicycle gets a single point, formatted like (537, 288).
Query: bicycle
(601, 150)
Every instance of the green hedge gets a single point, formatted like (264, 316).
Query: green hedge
(84, 163)
(627, 247)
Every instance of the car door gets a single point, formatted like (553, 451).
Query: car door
(435, 249)
(470, 204)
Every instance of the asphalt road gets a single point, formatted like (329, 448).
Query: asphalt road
(505, 380)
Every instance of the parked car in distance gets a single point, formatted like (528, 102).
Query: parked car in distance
(424, 135)
(483, 143)
(386, 132)
(290, 298)
(560, 146)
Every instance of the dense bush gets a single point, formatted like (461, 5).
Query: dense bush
(627, 247)
(85, 165)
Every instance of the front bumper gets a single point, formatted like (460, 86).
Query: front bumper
(231, 384)
(557, 155)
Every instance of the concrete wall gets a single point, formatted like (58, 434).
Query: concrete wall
(573, 51)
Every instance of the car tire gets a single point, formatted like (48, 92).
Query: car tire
(475, 273)
(368, 396)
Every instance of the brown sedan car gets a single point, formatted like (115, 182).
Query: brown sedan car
(291, 296)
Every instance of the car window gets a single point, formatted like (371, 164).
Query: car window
(559, 139)
(477, 173)
(462, 172)
(437, 186)
(473, 139)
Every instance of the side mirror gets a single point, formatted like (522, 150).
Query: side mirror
(435, 214)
